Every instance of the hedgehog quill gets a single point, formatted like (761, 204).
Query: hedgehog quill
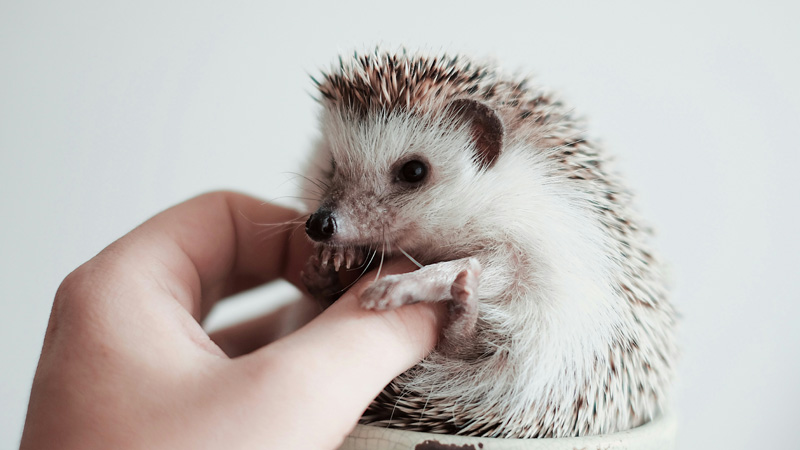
(559, 319)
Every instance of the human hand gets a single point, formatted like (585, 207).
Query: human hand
(126, 364)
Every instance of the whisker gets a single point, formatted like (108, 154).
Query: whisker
(271, 229)
(383, 252)
(314, 190)
(295, 230)
(318, 187)
(409, 256)
(270, 232)
(272, 226)
(315, 181)
(297, 197)
(363, 264)
(366, 267)
(252, 222)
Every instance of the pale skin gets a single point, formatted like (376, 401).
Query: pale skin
(126, 363)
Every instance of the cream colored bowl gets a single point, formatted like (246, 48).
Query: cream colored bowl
(658, 434)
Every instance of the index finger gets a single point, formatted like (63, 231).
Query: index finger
(209, 247)
(324, 375)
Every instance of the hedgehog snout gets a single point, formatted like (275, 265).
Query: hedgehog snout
(321, 225)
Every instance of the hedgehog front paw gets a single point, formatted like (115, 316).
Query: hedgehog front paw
(463, 307)
(391, 291)
(321, 280)
(459, 331)
(321, 272)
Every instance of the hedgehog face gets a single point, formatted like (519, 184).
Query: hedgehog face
(402, 136)
(394, 177)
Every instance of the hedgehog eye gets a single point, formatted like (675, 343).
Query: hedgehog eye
(413, 171)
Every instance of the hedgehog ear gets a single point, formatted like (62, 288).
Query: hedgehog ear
(487, 128)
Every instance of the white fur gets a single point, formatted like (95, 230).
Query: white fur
(549, 300)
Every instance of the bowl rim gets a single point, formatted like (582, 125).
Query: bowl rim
(657, 434)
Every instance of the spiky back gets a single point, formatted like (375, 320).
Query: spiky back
(383, 81)
(417, 83)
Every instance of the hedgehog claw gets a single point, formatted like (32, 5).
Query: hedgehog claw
(337, 260)
(347, 257)
(360, 258)
(325, 256)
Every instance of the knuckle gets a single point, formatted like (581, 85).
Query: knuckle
(73, 288)
(81, 299)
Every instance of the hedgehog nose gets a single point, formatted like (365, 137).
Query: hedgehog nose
(321, 225)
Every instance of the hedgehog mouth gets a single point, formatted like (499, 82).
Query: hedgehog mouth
(361, 255)
(339, 256)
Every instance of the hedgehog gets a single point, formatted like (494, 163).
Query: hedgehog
(559, 322)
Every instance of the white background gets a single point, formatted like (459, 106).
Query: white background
(110, 112)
